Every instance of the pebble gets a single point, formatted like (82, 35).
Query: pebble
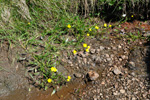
(115, 93)
(108, 59)
(106, 55)
(117, 71)
(132, 65)
(92, 75)
(123, 56)
(133, 98)
(122, 91)
(119, 46)
(98, 50)
(92, 51)
(78, 75)
(102, 48)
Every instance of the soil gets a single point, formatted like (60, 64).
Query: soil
(123, 68)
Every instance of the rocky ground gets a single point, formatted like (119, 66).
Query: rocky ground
(122, 67)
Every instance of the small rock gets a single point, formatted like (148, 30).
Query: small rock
(106, 55)
(98, 50)
(119, 46)
(115, 93)
(77, 75)
(133, 98)
(92, 75)
(131, 65)
(102, 48)
(133, 74)
(122, 91)
(117, 71)
(114, 48)
(92, 51)
(123, 56)
(108, 59)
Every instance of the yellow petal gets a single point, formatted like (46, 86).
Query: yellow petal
(90, 29)
(74, 52)
(87, 50)
(49, 80)
(105, 25)
(84, 45)
(68, 80)
(69, 77)
(97, 27)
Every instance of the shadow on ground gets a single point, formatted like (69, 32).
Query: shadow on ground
(147, 60)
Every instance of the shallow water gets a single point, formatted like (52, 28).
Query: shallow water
(66, 93)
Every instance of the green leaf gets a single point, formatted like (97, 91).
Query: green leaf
(46, 87)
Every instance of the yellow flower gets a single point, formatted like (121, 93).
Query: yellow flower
(110, 25)
(84, 45)
(96, 27)
(74, 52)
(88, 47)
(53, 69)
(49, 80)
(69, 26)
(132, 16)
(68, 80)
(29, 23)
(90, 29)
(69, 77)
(87, 50)
(105, 25)
(88, 34)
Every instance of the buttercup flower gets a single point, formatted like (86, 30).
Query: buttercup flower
(105, 25)
(49, 80)
(29, 23)
(88, 34)
(69, 77)
(84, 45)
(132, 16)
(69, 26)
(53, 69)
(87, 50)
(110, 25)
(96, 27)
(90, 29)
(124, 15)
(68, 80)
(74, 52)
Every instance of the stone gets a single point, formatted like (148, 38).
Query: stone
(98, 50)
(131, 65)
(115, 93)
(123, 56)
(133, 98)
(119, 46)
(122, 91)
(117, 71)
(108, 59)
(102, 48)
(78, 75)
(92, 75)
(92, 51)
(106, 55)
